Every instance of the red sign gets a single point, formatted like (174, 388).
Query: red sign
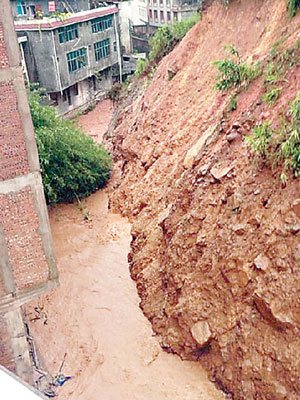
(51, 6)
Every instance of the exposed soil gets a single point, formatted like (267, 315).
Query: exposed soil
(94, 315)
(215, 243)
(95, 122)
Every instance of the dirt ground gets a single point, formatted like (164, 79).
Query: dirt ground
(95, 122)
(94, 315)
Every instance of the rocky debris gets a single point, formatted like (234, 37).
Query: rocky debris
(220, 172)
(232, 136)
(262, 262)
(237, 251)
(164, 215)
(239, 229)
(292, 222)
(296, 207)
(171, 72)
(272, 312)
(201, 333)
(197, 148)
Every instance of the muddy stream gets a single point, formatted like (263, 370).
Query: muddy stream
(94, 317)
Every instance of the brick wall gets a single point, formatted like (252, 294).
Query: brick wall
(27, 263)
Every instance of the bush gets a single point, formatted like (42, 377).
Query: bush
(290, 147)
(292, 7)
(260, 140)
(165, 39)
(272, 95)
(282, 146)
(72, 165)
(233, 72)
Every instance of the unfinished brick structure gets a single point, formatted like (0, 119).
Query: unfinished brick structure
(27, 263)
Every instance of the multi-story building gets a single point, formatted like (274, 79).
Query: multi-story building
(162, 12)
(73, 57)
(32, 9)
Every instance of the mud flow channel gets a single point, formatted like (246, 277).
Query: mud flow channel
(94, 318)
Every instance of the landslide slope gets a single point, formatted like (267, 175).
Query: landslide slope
(215, 243)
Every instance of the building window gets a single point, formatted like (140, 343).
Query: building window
(168, 3)
(150, 14)
(21, 8)
(142, 12)
(101, 24)
(161, 3)
(54, 98)
(102, 49)
(155, 15)
(68, 33)
(175, 15)
(115, 46)
(75, 89)
(155, 2)
(162, 17)
(168, 16)
(76, 59)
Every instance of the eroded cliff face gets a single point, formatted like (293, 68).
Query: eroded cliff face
(215, 243)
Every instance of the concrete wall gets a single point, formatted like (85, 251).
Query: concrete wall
(89, 90)
(130, 15)
(27, 262)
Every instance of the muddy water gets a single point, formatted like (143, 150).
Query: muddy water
(94, 317)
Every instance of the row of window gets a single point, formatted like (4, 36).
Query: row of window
(67, 33)
(70, 32)
(161, 2)
(153, 16)
(102, 23)
(78, 59)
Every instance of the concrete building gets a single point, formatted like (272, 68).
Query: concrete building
(162, 12)
(30, 9)
(74, 59)
(27, 262)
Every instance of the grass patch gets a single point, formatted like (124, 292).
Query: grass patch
(271, 96)
(233, 72)
(281, 146)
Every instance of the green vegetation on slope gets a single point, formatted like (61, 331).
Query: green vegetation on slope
(233, 72)
(282, 145)
(72, 165)
(164, 41)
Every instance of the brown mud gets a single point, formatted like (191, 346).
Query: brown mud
(94, 315)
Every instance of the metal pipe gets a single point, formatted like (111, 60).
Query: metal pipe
(56, 64)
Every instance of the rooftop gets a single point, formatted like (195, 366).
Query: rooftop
(49, 23)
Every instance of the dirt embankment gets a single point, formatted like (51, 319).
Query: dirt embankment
(215, 243)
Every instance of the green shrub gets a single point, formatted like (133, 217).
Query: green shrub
(281, 146)
(232, 105)
(233, 72)
(72, 165)
(272, 95)
(290, 147)
(272, 73)
(140, 67)
(295, 109)
(165, 39)
(293, 5)
(260, 140)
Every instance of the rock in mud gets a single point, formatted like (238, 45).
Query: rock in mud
(262, 262)
(201, 333)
